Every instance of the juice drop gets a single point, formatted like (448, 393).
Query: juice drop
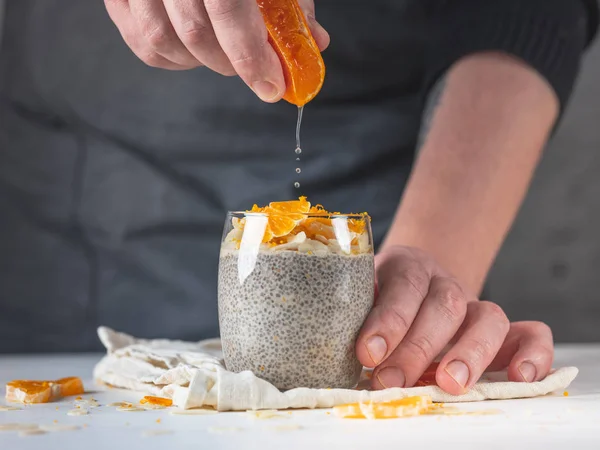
(298, 150)
(298, 124)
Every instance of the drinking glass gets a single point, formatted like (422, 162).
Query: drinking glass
(290, 309)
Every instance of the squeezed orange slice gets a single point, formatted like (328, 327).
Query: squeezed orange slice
(156, 401)
(290, 37)
(406, 407)
(25, 391)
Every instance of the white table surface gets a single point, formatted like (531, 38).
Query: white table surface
(550, 422)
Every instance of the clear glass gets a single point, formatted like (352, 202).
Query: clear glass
(290, 310)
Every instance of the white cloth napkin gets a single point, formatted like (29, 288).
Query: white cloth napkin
(193, 375)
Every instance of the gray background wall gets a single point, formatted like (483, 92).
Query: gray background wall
(549, 268)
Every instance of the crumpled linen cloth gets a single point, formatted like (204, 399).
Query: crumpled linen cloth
(194, 376)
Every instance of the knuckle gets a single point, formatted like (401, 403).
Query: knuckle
(495, 311)
(221, 9)
(153, 60)
(540, 329)
(421, 347)
(452, 301)
(396, 315)
(194, 33)
(481, 349)
(245, 61)
(158, 38)
(417, 278)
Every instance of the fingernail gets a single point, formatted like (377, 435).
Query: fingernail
(377, 348)
(266, 90)
(527, 371)
(459, 372)
(391, 377)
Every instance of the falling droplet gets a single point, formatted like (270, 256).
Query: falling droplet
(297, 159)
(296, 185)
(298, 150)
(298, 170)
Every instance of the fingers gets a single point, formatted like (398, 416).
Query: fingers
(120, 13)
(482, 335)
(438, 320)
(192, 25)
(402, 284)
(155, 27)
(242, 34)
(527, 353)
(319, 34)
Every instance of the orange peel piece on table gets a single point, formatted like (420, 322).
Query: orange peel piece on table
(299, 54)
(28, 391)
(406, 407)
(161, 401)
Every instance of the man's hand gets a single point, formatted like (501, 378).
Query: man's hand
(227, 36)
(421, 310)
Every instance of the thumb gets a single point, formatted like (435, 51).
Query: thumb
(319, 33)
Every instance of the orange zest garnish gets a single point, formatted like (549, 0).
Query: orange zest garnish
(406, 407)
(290, 37)
(156, 401)
(25, 391)
(289, 218)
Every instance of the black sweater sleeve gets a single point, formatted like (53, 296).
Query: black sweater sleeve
(549, 35)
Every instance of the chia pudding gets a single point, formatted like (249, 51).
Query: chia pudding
(291, 312)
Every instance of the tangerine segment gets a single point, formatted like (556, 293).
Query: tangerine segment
(410, 406)
(280, 225)
(70, 386)
(301, 206)
(28, 391)
(156, 401)
(301, 60)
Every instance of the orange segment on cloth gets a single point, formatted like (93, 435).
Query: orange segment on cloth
(25, 391)
(301, 60)
(406, 407)
(156, 401)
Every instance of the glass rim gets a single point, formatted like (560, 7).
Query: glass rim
(308, 215)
